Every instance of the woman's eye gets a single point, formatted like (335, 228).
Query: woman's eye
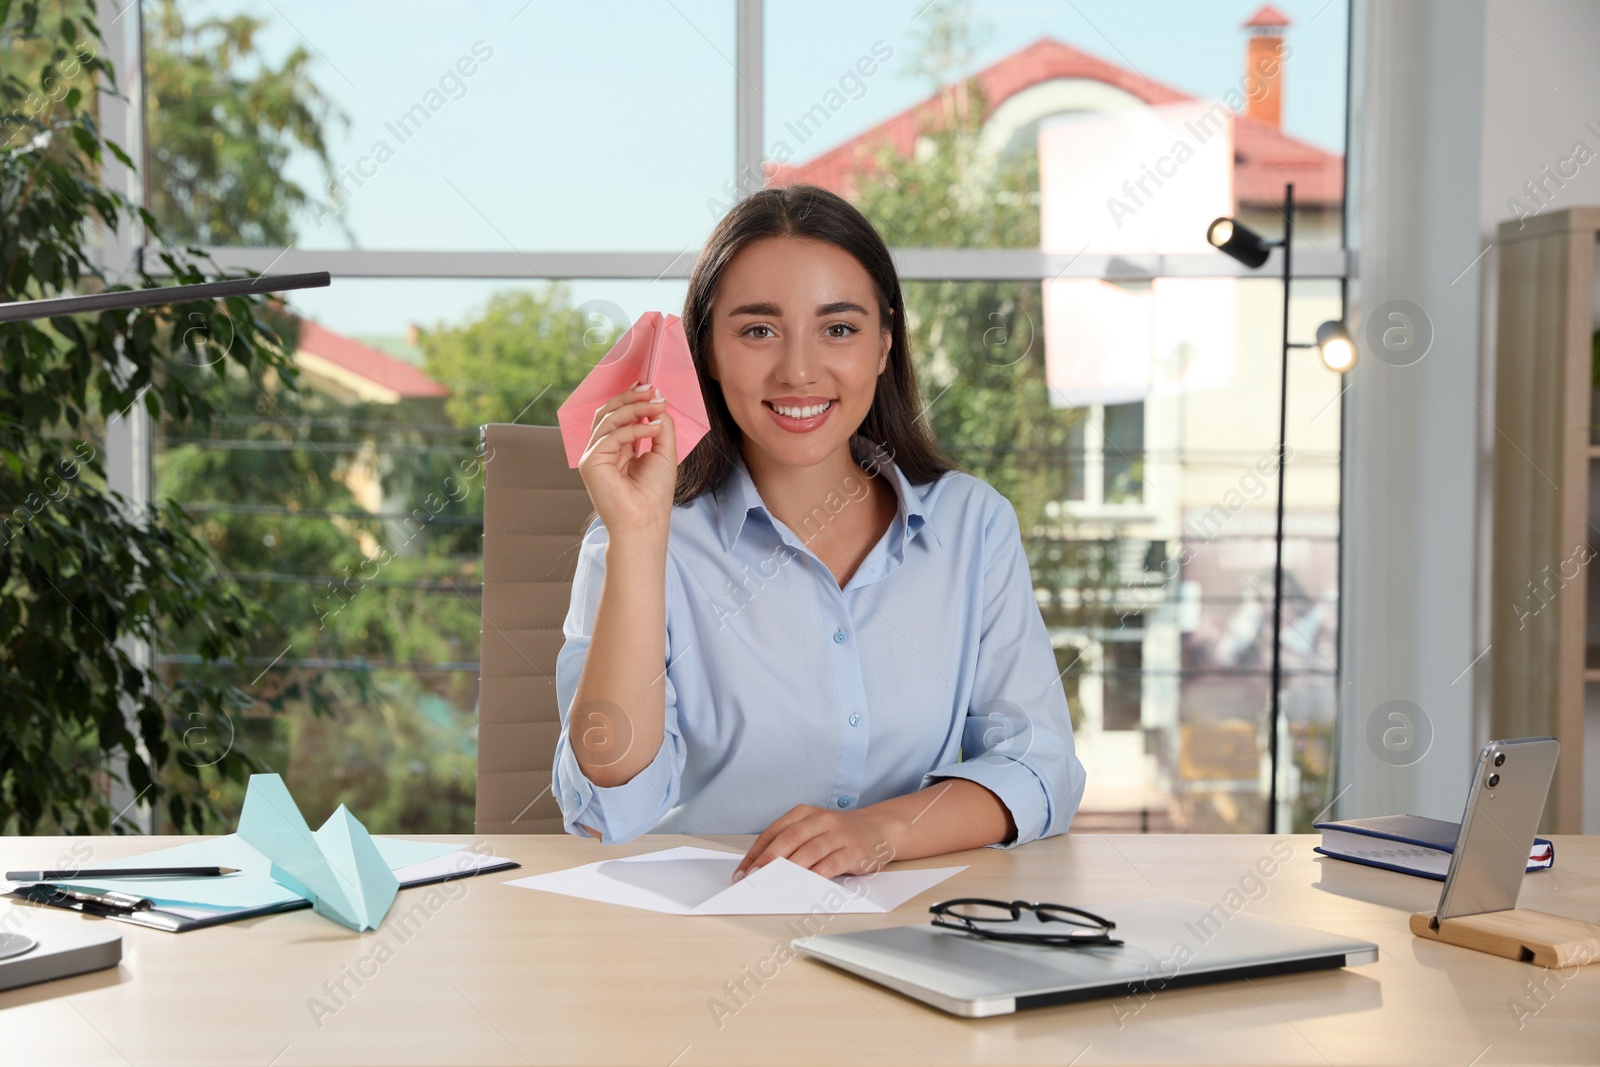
(845, 326)
(749, 331)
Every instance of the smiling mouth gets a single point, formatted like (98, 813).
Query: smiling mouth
(805, 412)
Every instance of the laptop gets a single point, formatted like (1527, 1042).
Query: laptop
(1168, 943)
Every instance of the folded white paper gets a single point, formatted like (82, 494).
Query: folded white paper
(694, 881)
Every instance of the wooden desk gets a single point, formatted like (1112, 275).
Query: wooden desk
(496, 975)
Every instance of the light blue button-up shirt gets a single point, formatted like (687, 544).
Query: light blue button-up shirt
(783, 688)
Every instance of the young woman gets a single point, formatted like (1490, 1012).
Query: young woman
(813, 628)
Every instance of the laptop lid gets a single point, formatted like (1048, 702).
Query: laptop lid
(1169, 942)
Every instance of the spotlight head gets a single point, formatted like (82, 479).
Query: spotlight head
(1337, 349)
(1239, 241)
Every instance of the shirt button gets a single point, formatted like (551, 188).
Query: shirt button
(844, 802)
(855, 719)
(838, 637)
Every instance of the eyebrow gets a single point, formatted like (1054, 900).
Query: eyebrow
(774, 310)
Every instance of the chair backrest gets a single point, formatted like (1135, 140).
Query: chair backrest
(534, 512)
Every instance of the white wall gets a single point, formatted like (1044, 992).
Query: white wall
(1455, 106)
(1541, 85)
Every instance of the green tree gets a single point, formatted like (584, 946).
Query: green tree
(344, 592)
(40, 70)
(220, 138)
(979, 345)
(84, 575)
(522, 357)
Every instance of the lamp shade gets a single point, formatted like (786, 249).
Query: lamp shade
(1337, 349)
(1239, 241)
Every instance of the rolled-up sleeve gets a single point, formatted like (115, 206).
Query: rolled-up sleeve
(1017, 740)
(625, 811)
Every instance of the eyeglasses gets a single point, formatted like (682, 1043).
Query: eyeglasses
(981, 917)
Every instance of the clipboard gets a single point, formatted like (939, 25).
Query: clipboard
(178, 923)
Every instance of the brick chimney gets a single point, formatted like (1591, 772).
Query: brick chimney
(1263, 61)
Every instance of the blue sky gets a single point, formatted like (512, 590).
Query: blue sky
(609, 125)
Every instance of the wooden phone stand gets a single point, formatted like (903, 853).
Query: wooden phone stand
(1518, 934)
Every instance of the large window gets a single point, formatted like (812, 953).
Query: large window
(498, 192)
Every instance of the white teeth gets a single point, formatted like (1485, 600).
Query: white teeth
(802, 413)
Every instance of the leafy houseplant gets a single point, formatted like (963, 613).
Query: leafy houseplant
(85, 576)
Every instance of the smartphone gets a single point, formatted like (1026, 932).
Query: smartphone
(1497, 829)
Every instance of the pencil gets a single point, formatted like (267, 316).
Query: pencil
(123, 872)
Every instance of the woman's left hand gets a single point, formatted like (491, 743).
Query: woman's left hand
(826, 841)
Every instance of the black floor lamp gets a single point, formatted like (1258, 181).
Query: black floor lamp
(1338, 354)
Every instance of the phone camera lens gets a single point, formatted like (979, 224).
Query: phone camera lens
(1499, 759)
(1494, 780)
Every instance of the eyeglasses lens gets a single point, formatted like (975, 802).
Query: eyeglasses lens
(981, 912)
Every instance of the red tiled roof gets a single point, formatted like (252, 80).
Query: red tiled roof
(1266, 157)
(380, 368)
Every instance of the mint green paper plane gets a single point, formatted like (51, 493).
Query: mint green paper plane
(338, 868)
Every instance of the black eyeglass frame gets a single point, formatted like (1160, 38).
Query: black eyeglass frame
(945, 918)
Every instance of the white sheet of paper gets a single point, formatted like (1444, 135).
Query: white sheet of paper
(694, 881)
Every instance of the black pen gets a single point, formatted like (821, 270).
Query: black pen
(126, 872)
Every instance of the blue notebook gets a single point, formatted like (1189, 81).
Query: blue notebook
(1410, 844)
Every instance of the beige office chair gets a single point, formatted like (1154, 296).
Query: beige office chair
(534, 512)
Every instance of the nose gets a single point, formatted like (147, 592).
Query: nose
(797, 363)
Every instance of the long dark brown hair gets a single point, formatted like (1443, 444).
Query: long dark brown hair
(893, 425)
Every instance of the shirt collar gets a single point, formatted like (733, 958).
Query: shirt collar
(736, 497)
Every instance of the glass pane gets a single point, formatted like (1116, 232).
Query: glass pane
(1159, 605)
(490, 126)
(1094, 126)
(1124, 684)
(351, 511)
(1073, 461)
(1124, 453)
(1159, 608)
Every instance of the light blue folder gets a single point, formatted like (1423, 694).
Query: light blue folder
(251, 887)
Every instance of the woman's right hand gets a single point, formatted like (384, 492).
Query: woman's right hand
(632, 494)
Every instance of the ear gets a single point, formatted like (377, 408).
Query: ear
(888, 343)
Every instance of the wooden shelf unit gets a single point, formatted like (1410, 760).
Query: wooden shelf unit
(1544, 627)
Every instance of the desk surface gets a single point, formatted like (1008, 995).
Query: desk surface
(497, 975)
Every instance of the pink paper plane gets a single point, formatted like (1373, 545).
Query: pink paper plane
(655, 351)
